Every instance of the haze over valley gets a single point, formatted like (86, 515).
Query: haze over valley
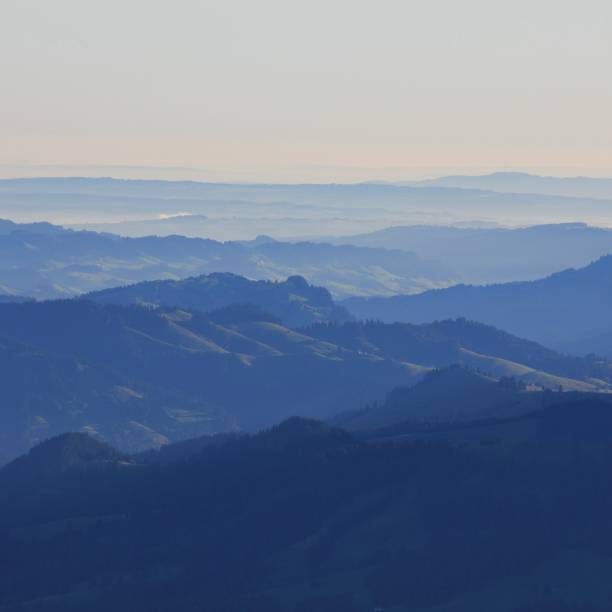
(237, 211)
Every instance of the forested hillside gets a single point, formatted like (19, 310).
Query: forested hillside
(569, 311)
(306, 517)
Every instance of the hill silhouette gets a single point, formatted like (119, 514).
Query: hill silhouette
(455, 395)
(293, 302)
(567, 311)
(496, 254)
(53, 457)
(459, 341)
(521, 182)
(448, 395)
(511, 515)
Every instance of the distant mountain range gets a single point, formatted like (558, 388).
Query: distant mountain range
(487, 255)
(45, 261)
(569, 311)
(310, 193)
(283, 210)
(519, 182)
(138, 376)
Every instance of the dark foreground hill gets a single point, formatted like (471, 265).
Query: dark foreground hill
(570, 310)
(52, 459)
(304, 517)
(294, 302)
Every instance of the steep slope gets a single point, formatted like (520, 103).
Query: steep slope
(294, 302)
(567, 310)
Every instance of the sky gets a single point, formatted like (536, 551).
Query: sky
(305, 90)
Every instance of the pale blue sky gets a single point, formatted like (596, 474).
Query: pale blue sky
(353, 89)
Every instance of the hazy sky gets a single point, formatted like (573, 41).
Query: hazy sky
(307, 89)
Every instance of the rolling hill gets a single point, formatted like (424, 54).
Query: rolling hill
(475, 345)
(46, 393)
(44, 261)
(139, 377)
